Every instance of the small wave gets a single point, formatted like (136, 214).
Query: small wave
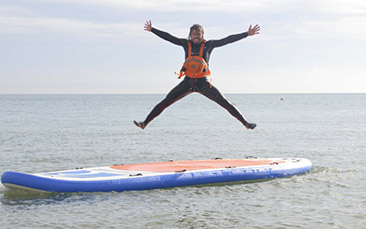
(323, 169)
(26, 198)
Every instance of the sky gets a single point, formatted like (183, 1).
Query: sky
(100, 46)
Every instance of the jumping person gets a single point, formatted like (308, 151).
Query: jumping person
(195, 70)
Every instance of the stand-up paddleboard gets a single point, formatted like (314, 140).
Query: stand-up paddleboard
(157, 175)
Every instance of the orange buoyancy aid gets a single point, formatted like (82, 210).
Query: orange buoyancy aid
(195, 66)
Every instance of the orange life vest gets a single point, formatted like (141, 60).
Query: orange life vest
(195, 66)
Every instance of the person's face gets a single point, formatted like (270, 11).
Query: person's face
(197, 37)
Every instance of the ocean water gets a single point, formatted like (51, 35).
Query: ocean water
(40, 133)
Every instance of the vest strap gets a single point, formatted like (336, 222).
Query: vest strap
(201, 49)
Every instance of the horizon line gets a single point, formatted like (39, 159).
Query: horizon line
(231, 93)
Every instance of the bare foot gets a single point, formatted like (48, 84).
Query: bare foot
(140, 124)
(250, 126)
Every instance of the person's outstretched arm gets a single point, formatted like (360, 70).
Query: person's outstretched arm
(164, 35)
(233, 38)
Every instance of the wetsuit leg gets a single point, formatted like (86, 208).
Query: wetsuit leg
(214, 94)
(178, 92)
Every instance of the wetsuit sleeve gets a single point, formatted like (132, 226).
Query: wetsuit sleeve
(166, 36)
(228, 40)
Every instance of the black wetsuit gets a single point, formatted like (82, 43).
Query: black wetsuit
(200, 85)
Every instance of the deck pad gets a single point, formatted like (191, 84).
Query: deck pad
(172, 166)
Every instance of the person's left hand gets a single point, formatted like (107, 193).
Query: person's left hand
(254, 30)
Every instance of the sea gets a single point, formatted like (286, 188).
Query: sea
(43, 133)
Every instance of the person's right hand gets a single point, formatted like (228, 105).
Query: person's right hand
(148, 26)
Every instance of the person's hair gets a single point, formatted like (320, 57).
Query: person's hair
(195, 27)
